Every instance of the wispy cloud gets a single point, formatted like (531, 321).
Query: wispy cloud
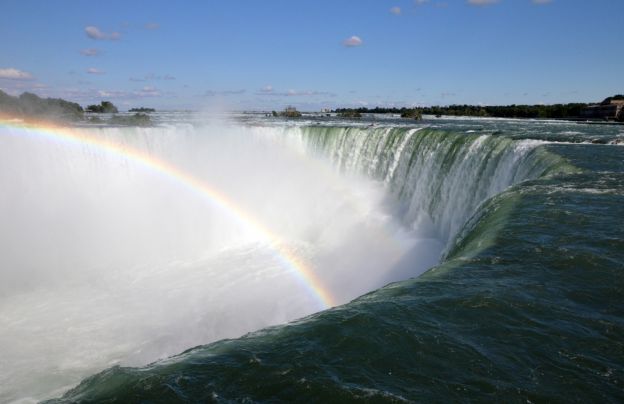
(482, 2)
(90, 52)
(152, 77)
(92, 94)
(112, 93)
(95, 33)
(437, 4)
(541, 1)
(93, 70)
(147, 91)
(268, 90)
(223, 93)
(352, 41)
(396, 10)
(152, 26)
(15, 74)
(16, 87)
(447, 94)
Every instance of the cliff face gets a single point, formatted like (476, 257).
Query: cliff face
(612, 111)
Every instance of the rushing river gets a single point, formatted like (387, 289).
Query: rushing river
(313, 260)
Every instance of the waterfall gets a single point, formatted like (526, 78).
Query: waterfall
(439, 178)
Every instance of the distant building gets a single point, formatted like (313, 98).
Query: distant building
(611, 111)
(290, 112)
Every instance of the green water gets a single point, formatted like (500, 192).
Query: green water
(526, 305)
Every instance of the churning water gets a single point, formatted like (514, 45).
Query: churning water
(123, 246)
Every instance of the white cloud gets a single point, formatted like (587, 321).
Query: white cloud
(395, 10)
(95, 33)
(15, 87)
(90, 52)
(352, 41)
(15, 74)
(268, 90)
(92, 94)
(541, 1)
(93, 70)
(212, 93)
(152, 26)
(152, 77)
(147, 91)
(112, 93)
(420, 2)
(482, 2)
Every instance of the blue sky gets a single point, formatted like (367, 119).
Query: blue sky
(248, 54)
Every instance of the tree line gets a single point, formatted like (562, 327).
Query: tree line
(31, 106)
(555, 111)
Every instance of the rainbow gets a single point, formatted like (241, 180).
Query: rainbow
(297, 266)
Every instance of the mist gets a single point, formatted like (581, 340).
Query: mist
(104, 261)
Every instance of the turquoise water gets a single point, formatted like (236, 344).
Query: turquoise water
(524, 306)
